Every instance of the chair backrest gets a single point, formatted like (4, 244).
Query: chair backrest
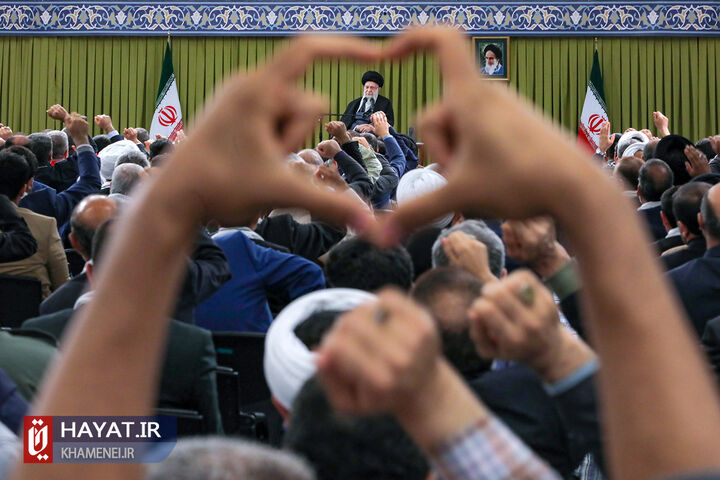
(244, 353)
(20, 299)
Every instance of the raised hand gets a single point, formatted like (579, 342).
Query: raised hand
(131, 134)
(382, 127)
(469, 253)
(57, 112)
(661, 123)
(104, 122)
(77, 128)
(605, 140)
(338, 130)
(516, 319)
(5, 132)
(533, 242)
(697, 163)
(328, 148)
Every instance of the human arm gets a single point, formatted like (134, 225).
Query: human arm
(207, 271)
(134, 293)
(622, 315)
(411, 158)
(386, 182)
(385, 358)
(394, 153)
(89, 180)
(105, 124)
(355, 174)
(16, 239)
(661, 123)
(697, 163)
(290, 274)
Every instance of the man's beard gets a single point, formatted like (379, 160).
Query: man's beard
(490, 69)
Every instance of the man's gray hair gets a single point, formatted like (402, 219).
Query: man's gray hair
(59, 143)
(219, 458)
(125, 177)
(143, 135)
(481, 232)
(133, 156)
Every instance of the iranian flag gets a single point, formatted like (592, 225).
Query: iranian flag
(167, 119)
(594, 111)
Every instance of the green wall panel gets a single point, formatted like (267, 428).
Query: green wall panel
(119, 77)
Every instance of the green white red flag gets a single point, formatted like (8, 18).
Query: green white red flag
(167, 119)
(594, 112)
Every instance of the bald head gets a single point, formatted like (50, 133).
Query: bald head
(710, 221)
(310, 156)
(88, 215)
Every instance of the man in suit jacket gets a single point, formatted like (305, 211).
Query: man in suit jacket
(47, 201)
(655, 177)
(48, 264)
(16, 239)
(207, 267)
(188, 376)
(697, 282)
(86, 218)
(686, 207)
(674, 237)
(711, 342)
(359, 110)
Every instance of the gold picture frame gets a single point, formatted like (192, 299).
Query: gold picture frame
(499, 45)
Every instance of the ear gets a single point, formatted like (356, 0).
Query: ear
(700, 221)
(90, 272)
(76, 245)
(639, 193)
(684, 232)
(666, 224)
(503, 274)
(67, 153)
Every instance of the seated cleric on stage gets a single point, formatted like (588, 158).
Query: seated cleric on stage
(359, 110)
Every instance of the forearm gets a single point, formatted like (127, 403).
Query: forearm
(461, 438)
(635, 321)
(129, 313)
(395, 155)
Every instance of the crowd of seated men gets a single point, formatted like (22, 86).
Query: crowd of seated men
(505, 312)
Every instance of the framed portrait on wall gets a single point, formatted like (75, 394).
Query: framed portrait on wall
(491, 56)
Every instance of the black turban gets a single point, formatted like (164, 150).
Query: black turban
(371, 76)
(495, 50)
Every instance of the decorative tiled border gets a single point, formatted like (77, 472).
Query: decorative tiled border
(367, 18)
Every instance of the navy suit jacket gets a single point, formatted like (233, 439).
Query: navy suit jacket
(654, 222)
(560, 429)
(695, 249)
(46, 201)
(207, 270)
(698, 285)
(711, 342)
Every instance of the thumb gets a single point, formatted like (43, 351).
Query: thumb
(416, 213)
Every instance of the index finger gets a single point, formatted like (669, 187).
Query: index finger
(291, 62)
(450, 46)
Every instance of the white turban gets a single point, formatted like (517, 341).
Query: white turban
(110, 154)
(627, 139)
(288, 362)
(633, 148)
(417, 183)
